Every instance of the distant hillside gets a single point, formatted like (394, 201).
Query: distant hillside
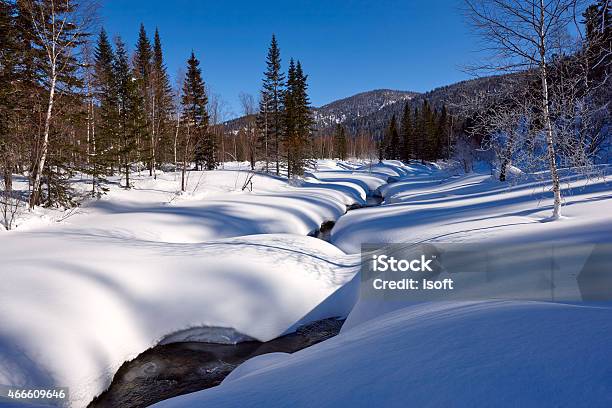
(357, 106)
(347, 109)
(377, 121)
(371, 111)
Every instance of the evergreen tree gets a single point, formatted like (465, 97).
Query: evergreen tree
(297, 120)
(104, 141)
(143, 58)
(340, 142)
(161, 103)
(406, 135)
(429, 132)
(289, 120)
(9, 73)
(270, 119)
(130, 108)
(418, 134)
(392, 141)
(195, 115)
(304, 119)
(443, 141)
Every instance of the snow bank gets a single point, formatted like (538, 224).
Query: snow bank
(474, 207)
(455, 354)
(75, 305)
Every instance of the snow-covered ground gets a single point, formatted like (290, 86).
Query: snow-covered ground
(431, 206)
(491, 354)
(148, 265)
(118, 275)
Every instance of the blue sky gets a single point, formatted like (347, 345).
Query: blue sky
(346, 46)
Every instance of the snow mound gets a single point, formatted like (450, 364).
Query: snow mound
(81, 304)
(523, 354)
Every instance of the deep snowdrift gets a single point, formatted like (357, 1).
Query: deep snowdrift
(74, 306)
(435, 207)
(442, 355)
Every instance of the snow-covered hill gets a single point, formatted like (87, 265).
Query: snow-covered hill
(356, 106)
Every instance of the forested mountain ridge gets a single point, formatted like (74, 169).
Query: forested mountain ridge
(377, 121)
(359, 105)
(370, 111)
(347, 109)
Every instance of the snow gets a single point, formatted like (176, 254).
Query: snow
(106, 299)
(474, 207)
(487, 353)
(524, 354)
(83, 291)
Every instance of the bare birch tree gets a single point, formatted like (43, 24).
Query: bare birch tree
(524, 35)
(58, 29)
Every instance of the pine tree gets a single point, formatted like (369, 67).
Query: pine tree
(143, 57)
(406, 135)
(161, 103)
(290, 138)
(298, 119)
(392, 141)
(195, 116)
(340, 142)
(130, 109)
(418, 134)
(270, 118)
(104, 141)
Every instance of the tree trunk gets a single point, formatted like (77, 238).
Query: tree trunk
(550, 145)
(38, 170)
(127, 174)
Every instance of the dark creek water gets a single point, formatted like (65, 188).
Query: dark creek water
(169, 370)
(324, 232)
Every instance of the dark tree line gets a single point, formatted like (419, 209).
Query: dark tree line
(284, 120)
(422, 133)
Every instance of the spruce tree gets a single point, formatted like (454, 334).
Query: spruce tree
(443, 142)
(143, 58)
(298, 119)
(105, 140)
(161, 103)
(418, 134)
(9, 72)
(304, 119)
(131, 121)
(392, 141)
(290, 138)
(195, 115)
(340, 142)
(270, 119)
(406, 134)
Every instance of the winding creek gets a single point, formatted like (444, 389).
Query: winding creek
(169, 370)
